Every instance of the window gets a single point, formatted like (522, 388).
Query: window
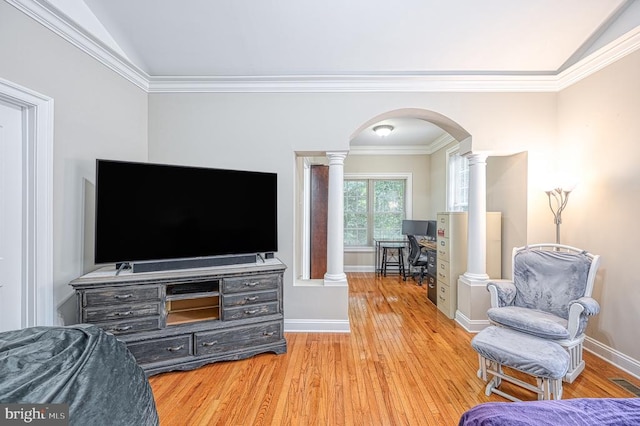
(374, 208)
(457, 181)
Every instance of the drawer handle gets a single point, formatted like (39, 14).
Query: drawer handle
(123, 296)
(269, 334)
(442, 289)
(117, 329)
(251, 299)
(123, 314)
(175, 348)
(252, 311)
(431, 285)
(207, 344)
(252, 284)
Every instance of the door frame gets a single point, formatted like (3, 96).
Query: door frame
(37, 148)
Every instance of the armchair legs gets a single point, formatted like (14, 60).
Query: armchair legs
(576, 363)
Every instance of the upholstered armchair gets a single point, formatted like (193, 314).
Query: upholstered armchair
(549, 297)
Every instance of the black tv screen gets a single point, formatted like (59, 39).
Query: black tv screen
(157, 212)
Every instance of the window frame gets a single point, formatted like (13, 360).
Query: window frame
(408, 201)
(450, 181)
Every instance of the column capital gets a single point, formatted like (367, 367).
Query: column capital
(476, 158)
(336, 158)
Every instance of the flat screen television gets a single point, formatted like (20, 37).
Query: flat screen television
(159, 212)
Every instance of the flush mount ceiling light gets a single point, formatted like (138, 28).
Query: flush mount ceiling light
(383, 130)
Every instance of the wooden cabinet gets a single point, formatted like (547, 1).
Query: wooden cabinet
(452, 255)
(180, 320)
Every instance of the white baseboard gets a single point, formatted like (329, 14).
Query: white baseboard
(472, 326)
(618, 359)
(359, 268)
(316, 326)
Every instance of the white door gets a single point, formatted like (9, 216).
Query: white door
(11, 220)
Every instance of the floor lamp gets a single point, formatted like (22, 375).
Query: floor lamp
(560, 197)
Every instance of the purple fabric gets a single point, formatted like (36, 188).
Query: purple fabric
(568, 412)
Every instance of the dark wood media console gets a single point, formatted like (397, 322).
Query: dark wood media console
(183, 319)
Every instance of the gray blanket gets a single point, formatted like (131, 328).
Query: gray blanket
(80, 365)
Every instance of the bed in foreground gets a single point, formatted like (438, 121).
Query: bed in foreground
(567, 412)
(80, 365)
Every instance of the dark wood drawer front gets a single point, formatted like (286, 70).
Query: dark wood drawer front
(254, 283)
(113, 295)
(249, 298)
(126, 327)
(237, 338)
(162, 349)
(120, 312)
(249, 311)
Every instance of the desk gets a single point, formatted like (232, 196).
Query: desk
(386, 243)
(428, 245)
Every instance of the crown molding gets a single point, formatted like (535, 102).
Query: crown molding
(54, 19)
(442, 141)
(355, 83)
(617, 49)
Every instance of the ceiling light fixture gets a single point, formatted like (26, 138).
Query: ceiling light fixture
(383, 130)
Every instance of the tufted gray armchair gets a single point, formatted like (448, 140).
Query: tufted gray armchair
(549, 297)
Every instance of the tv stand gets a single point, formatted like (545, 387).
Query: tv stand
(183, 319)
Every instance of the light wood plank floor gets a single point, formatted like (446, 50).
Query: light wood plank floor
(404, 363)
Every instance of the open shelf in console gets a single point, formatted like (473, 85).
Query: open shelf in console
(192, 302)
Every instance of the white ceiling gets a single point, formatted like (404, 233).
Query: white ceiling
(305, 37)
(355, 38)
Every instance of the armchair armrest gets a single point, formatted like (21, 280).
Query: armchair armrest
(579, 310)
(502, 292)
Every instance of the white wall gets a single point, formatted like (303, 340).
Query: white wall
(264, 131)
(96, 114)
(598, 133)
(507, 193)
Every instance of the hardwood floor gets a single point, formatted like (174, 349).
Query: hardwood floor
(404, 363)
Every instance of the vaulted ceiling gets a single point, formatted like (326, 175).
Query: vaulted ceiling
(356, 37)
(347, 44)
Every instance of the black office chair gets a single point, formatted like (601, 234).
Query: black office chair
(417, 258)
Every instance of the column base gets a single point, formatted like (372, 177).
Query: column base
(473, 303)
(335, 280)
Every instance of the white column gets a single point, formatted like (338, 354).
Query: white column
(477, 227)
(335, 221)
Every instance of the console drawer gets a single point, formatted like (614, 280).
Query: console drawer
(249, 311)
(118, 312)
(252, 283)
(113, 295)
(242, 299)
(162, 349)
(126, 327)
(237, 338)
